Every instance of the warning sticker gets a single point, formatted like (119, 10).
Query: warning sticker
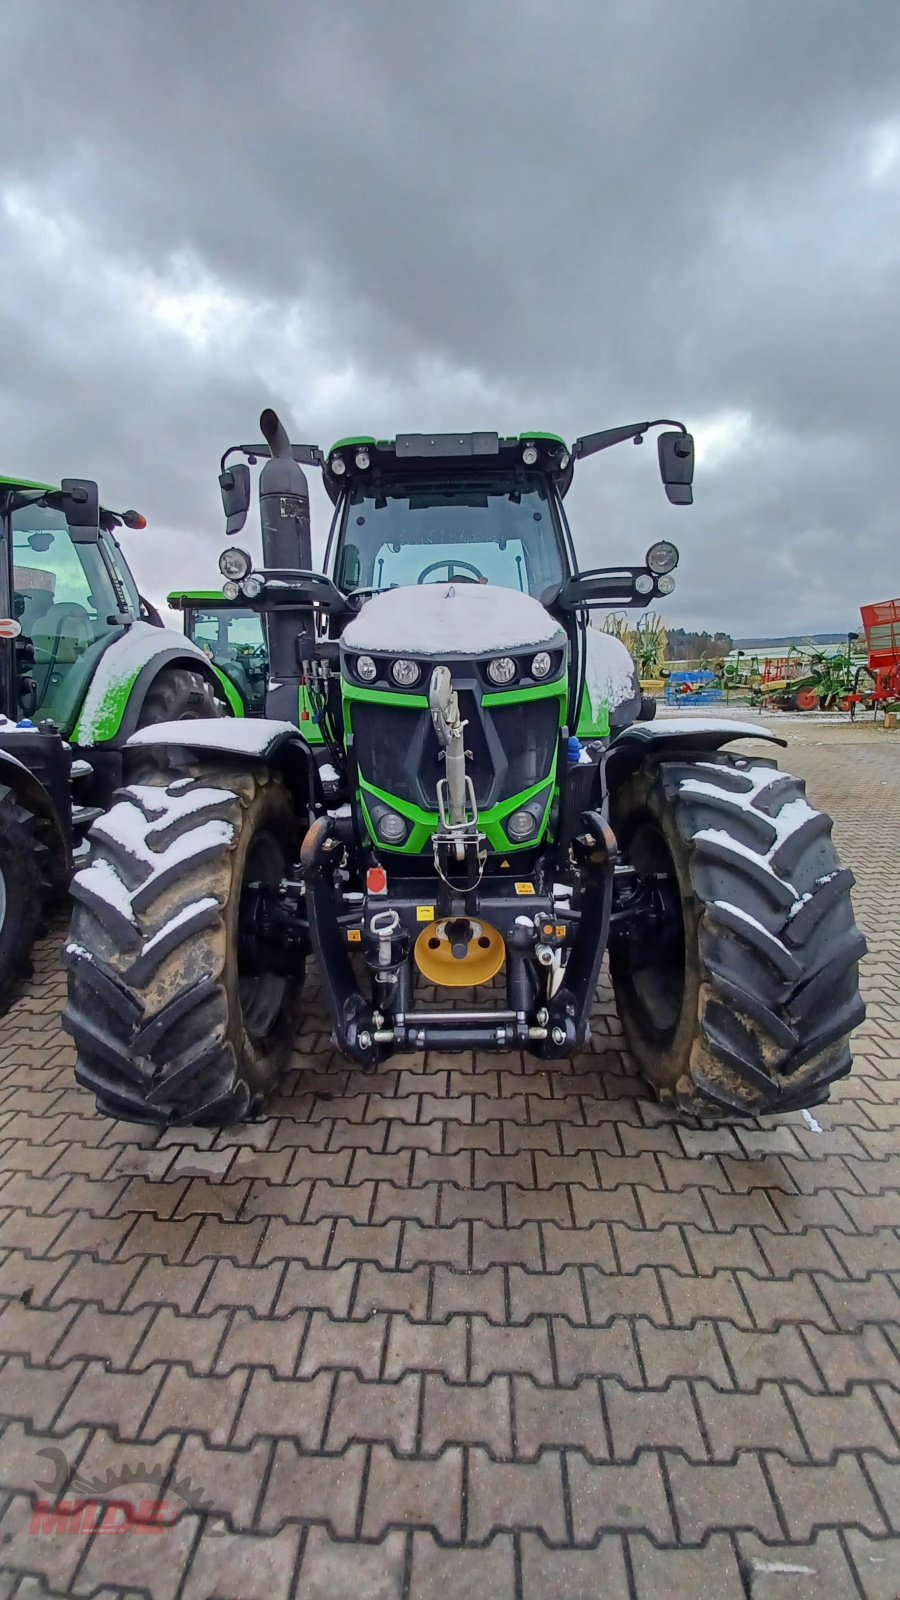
(354, 936)
(524, 888)
(424, 913)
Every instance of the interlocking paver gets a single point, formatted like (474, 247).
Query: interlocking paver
(468, 1325)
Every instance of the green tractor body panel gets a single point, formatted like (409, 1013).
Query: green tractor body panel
(116, 673)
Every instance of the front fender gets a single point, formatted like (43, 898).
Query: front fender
(124, 670)
(278, 744)
(630, 748)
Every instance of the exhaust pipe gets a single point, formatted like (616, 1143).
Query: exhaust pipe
(286, 543)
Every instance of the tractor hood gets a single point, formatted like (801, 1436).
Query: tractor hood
(459, 619)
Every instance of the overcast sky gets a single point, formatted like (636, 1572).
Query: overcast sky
(390, 215)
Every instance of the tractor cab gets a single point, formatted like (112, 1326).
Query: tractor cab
(66, 592)
(233, 637)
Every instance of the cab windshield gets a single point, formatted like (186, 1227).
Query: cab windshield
(67, 607)
(236, 642)
(470, 534)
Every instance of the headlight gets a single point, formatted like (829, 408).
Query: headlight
(338, 466)
(564, 459)
(541, 664)
(406, 673)
(252, 587)
(529, 455)
(366, 669)
(501, 670)
(643, 583)
(391, 827)
(662, 557)
(231, 590)
(665, 585)
(362, 459)
(235, 563)
(521, 825)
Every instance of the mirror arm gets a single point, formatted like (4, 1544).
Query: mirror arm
(590, 443)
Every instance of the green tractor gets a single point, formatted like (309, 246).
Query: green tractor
(478, 820)
(84, 662)
(232, 637)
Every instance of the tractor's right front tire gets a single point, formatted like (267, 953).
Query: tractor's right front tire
(172, 1022)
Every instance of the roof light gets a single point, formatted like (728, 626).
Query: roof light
(665, 584)
(530, 455)
(362, 459)
(231, 590)
(643, 583)
(338, 466)
(564, 459)
(252, 587)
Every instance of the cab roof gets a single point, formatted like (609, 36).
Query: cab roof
(420, 454)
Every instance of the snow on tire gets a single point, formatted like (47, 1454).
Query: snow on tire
(745, 1001)
(168, 1028)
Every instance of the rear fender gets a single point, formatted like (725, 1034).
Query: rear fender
(686, 734)
(249, 740)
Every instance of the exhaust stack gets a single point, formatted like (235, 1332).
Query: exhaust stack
(287, 546)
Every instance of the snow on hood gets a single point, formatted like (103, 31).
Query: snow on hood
(610, 675)
(465, 619)
(119, 667)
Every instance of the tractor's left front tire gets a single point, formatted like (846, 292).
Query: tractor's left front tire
(21, 894)
(173, 1020)
(738, 991)
(179, 694)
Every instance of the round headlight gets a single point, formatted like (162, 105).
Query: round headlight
(643, 583)
(406, 673)
(541, 664)
(391, 827)
(662, 557)
(231, 590)
(521, 825)
(529, 455)
(362, 459)
(564, 459)
(252, 587)
(338, 466)
(501, 670)
(665, 585)
(366, 669)
(235, 563)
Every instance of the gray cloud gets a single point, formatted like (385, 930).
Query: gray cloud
(506, 215)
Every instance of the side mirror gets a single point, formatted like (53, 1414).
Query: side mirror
(234, 483)
(81, 503)
(676, 466)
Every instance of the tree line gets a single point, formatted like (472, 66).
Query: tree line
(684, 645)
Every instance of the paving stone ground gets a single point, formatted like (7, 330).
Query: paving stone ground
(466, 1327)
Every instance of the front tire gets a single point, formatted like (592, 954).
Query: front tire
(172, 1023)
(740, 999)
(21, 893)
(179, 694)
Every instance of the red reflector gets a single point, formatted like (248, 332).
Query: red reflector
(9, 628)
(376, 880)
(304, 716)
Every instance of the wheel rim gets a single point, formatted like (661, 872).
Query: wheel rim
(261, 993)
(654, 960)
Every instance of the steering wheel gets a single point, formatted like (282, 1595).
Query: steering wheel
(449, 563)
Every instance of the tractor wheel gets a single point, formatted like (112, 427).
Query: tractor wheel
(647, 712)
(179, 694)
(738, 994)
(173, 1020)
(21, 894)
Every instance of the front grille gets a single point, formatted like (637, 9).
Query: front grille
(511, 748)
